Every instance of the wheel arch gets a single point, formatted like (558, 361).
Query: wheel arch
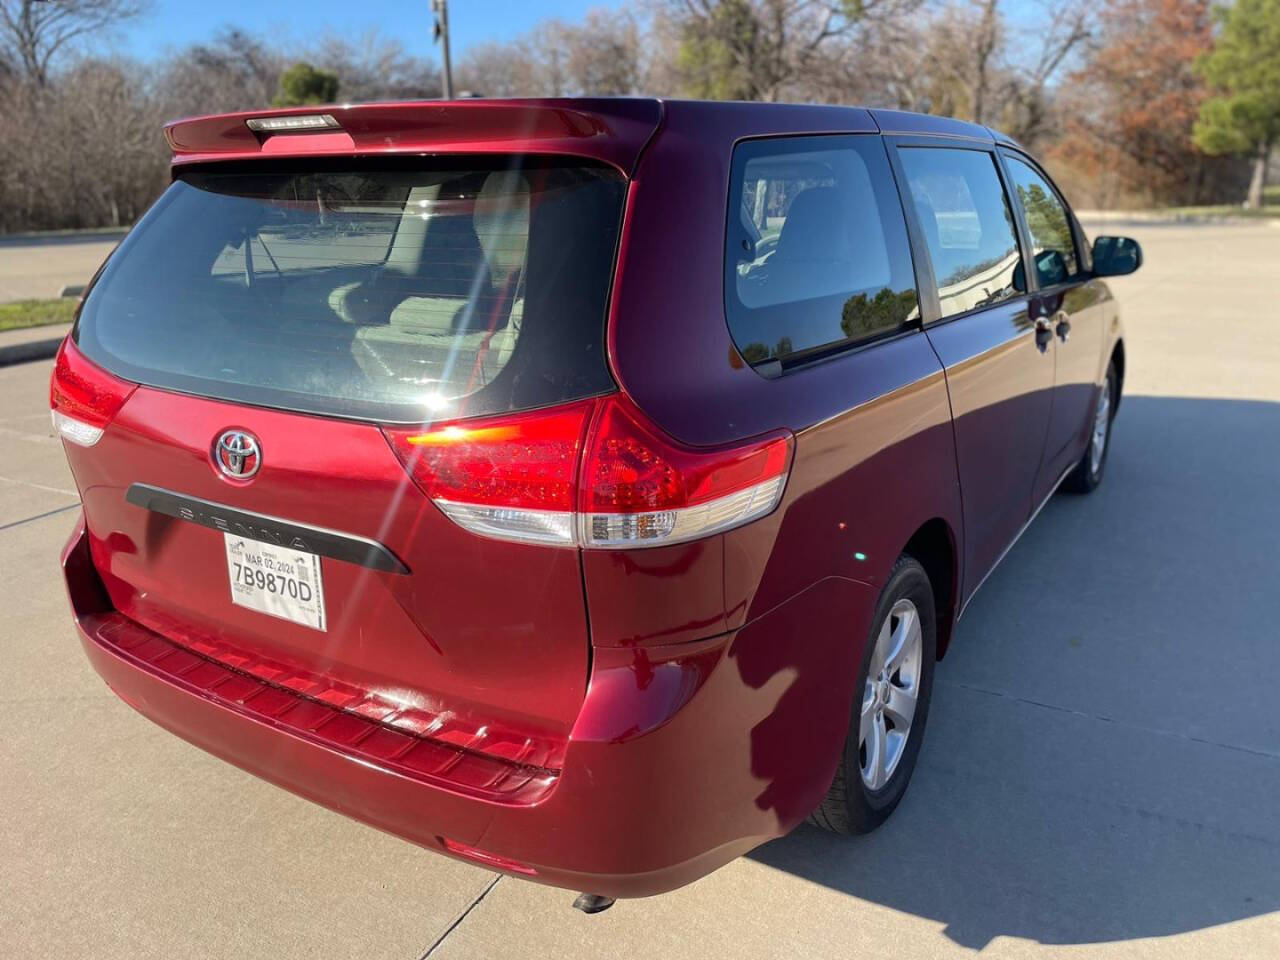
(934, 546)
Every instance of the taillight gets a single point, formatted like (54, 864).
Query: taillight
(640, 488)
(511, 477)
(84, 398)
(594, 473)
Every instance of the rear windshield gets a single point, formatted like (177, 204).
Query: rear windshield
(400, 293)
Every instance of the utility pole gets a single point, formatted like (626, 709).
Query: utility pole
(441, 9)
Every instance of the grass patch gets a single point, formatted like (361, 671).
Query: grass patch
(36, 313)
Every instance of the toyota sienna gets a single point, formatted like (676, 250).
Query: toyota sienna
(582, 488)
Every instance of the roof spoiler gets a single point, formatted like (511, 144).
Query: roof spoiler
(612, 131)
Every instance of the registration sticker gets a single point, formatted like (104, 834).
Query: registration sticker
(278, 581)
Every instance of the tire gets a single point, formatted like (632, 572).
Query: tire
(1087, 474)
(855, 803)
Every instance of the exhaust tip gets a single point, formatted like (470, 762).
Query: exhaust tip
(592, 903)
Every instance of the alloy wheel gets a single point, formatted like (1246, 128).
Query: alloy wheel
(1101, 426)
(890, 694)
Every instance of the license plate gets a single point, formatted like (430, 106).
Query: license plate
(277, 581)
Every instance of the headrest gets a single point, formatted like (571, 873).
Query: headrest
(929, 220)
(817, 227)
(501, 220)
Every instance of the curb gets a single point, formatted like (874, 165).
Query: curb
(1160, 218)
(29, 351)
(33, 238)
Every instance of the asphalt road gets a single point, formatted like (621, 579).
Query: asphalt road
(1100, 776)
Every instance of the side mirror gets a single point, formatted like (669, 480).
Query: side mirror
(1116, 256)
(1051, 267)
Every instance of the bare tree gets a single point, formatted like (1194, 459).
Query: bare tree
(374, 67)
(85, 150)
(966, 60)
(33, 33)
(119, 165)
(514, 69)
(765, 49)
(601, 56)
(986, 38)
(234, 72)
(1029, 113)
(82, 143)
(908, 62)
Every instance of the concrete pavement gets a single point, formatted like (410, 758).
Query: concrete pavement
(1099, 778)
(38, 266)
(118, 839)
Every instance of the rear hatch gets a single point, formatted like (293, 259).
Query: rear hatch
(284, 332)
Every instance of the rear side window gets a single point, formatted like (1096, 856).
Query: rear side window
(968, 226)
(393, 292)
(817, 253)
(1053, 245)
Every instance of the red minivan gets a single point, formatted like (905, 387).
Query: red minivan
(583, 488)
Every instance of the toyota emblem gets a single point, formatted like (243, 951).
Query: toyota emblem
(237, 454)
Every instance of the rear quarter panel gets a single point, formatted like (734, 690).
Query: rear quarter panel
(874, 457)
(874, 449)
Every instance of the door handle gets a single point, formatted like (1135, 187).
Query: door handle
(1063, 327)
(1044, 333)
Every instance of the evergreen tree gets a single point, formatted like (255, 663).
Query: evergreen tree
(303, 84)
(1244, 68)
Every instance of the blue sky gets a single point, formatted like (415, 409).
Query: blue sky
(172, 24)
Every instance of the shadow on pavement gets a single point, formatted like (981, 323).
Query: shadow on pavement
(29, 350)
(1103, 756)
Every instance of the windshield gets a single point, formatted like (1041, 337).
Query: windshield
(452, 288)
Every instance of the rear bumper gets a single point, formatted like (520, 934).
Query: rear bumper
(682, 757)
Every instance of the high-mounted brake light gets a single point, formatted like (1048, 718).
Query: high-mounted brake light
(594, 473)
(84, 398)
(298, 123)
